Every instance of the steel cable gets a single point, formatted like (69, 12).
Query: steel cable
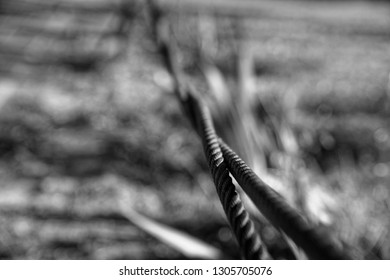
(278, 212)
(241, 224)
(222, 160)
(197, 112)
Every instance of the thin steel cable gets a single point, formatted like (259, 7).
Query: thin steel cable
(243, 227)
(278, 212)
(269, 202)
(241, 223)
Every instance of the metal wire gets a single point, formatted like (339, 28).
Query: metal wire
(280, 214)
(222, 159)
(238, 217)
(198, 113)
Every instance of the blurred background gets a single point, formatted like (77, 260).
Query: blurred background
(98, 161)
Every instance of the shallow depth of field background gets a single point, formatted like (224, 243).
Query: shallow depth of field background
(85, 148)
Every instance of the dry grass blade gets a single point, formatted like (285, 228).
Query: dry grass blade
(184, 243)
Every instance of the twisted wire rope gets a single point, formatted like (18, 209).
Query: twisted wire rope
(222, 160)
(242, 225)
(197, 112)
(278, 212)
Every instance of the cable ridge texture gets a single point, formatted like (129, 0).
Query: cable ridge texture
(238, 217)
(276, 209)
(243, 228)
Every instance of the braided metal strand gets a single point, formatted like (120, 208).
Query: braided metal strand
(241, 224)
(276, 209)
(243, 227)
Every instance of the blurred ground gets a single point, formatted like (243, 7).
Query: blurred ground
(72, 142)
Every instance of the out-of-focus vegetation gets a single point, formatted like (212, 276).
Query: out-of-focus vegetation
(301, 91)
